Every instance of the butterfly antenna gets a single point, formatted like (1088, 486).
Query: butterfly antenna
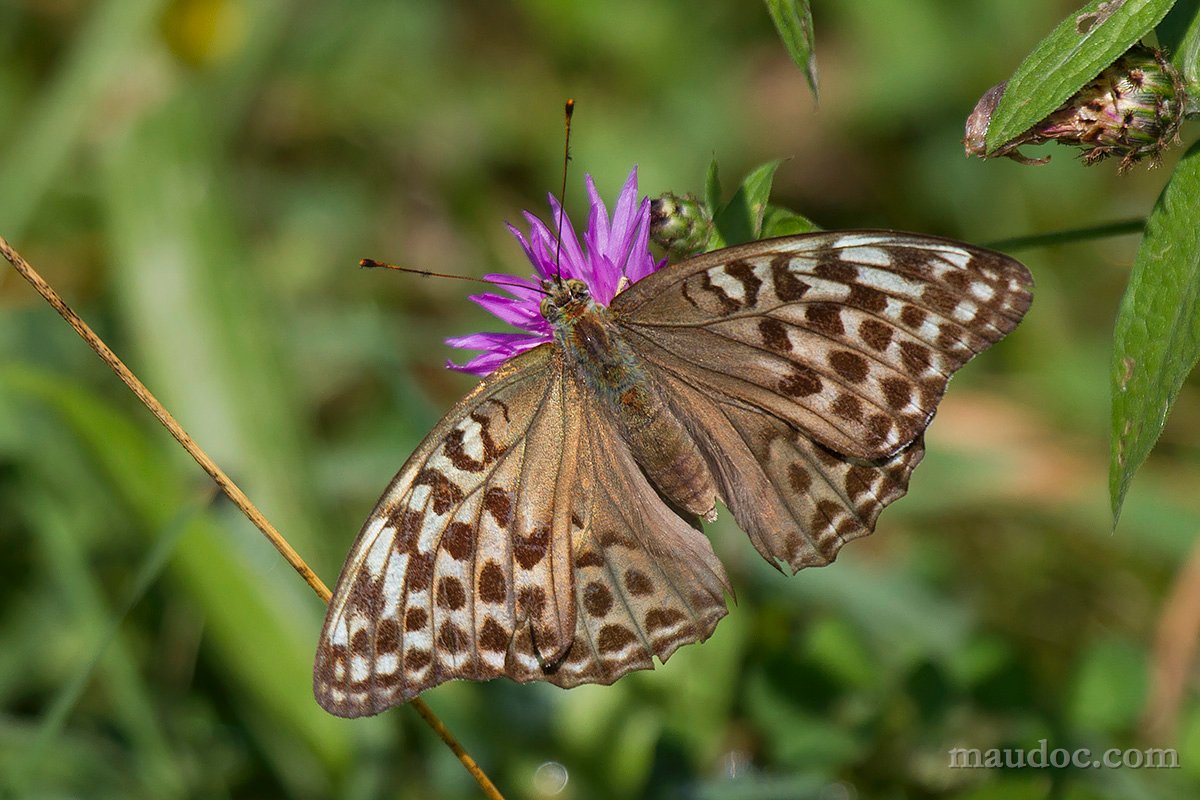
(562, 195)
(369, 263)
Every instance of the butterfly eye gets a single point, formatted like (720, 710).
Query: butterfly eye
(549, 311)
(578, 289)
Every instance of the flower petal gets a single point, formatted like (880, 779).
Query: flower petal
(511, 310)
(498, 347)
(611, 249)
(539, 235)
(521, 240)
(639, 263)
(487, 340)
(624, 219)
(597, 227)
(571, 256)
(523, 288)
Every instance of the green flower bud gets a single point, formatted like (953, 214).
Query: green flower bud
(680, 225)
(1133, 110)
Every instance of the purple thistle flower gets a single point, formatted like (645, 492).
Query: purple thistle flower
(610, 251)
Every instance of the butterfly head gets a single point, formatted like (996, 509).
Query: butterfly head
(565, 299)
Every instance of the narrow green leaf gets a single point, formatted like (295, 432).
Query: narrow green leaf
(712, 188)
(712, 198)
(1076, 51)
(1179, 35)
(741, 219)
(1091, 232)
(1157, 339)
(252, 624)
(793, 20)
(41, 143)
(217, 322)
(779, 221)
(81, 581)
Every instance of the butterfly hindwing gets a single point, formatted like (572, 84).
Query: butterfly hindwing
(849, 337)
(646, 581)
(797, 500)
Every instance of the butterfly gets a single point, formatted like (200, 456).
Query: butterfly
(547, 527)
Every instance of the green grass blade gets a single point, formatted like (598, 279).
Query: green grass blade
(1076, 51)
(256, 625)
(208, 332)
(1157, 340)
(793, 20)
(1122, 228)
(68, 696)
(98, 61)
(130, 696)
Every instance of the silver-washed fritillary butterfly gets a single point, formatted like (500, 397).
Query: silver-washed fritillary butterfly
(547, 528)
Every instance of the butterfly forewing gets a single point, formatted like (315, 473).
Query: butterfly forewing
(849, 337)
(427, 593)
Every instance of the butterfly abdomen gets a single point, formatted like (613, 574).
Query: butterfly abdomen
(662, 446)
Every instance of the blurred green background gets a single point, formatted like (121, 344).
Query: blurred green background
(199, 179)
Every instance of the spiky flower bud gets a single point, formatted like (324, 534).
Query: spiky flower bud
(680, 225)
(1133, 110)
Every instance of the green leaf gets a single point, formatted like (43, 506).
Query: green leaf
(1109, 687)
(39, 149)
(712, 188)
(217, 322)
(741, 219)
(795, 736)
(778, 221)
(1179, 35)
(793, 20)
(1157, 339)
(251, 622)
(702, 689)
(890, 608)
(69, 561)
(838, 648)
(1076, 51)
(1018, 787)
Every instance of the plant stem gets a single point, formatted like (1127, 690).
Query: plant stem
(223, 481)
(1069, 236)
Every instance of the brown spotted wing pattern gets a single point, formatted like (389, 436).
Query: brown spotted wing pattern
(810, 366)
(519, 541)
(523, 539)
